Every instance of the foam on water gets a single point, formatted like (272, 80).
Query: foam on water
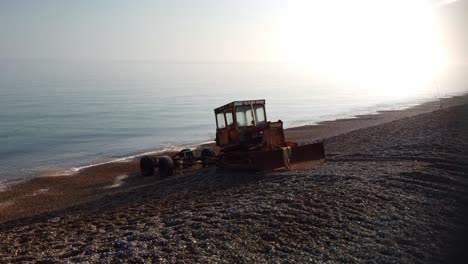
(51, 172)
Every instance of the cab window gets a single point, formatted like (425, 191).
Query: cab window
(229, 118)
(220, 120)
(244, 116)
(260, 114)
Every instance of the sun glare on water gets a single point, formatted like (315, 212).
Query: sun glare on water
(392, 43)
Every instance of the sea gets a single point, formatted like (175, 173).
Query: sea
(57, 117)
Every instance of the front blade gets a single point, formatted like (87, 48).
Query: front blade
(308, 152)
(268, 160)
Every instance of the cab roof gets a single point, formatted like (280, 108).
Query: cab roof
(239, 103)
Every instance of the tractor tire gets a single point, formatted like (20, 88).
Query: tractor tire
(188, 153)
(206, 154)
(166, 166)
(188, 158)
(146, 166)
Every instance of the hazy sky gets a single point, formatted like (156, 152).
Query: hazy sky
(128, 29)
(219, 30)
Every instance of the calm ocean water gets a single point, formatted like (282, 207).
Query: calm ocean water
(58, 115)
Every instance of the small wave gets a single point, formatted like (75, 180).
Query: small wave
(51, 172)
(6, 184)
(170, 148)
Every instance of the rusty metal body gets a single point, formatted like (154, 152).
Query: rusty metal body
(249, 142)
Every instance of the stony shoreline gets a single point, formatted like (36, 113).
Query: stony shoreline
(393, 190)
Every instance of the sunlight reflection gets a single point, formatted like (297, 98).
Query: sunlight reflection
(394, 44)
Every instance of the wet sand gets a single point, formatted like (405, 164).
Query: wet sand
(393, 190)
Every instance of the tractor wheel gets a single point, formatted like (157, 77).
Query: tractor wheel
(206, 154)
(188, 158)
(146, 166)
(188, 153)
(166, 166)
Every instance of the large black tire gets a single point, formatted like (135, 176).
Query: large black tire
(188, 158)
(146, 166)
(206, 155)
(166, 166)
(187, 153)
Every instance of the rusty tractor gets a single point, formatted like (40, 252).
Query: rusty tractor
(246, 141)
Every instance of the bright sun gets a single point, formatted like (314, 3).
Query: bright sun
(364, 41)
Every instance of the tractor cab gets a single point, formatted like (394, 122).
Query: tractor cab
(243, 124)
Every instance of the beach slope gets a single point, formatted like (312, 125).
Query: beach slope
(395, 192)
